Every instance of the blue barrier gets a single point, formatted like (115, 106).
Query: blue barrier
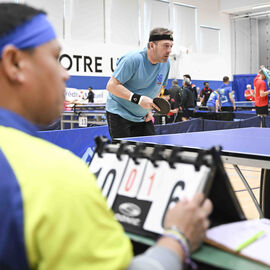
(180, 127)
(244, 114)
(199, 124)
(266, 122)
(254, 121)
(215, 125)
(79, 141)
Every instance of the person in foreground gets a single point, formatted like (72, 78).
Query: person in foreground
(138, 78)
(53, 215)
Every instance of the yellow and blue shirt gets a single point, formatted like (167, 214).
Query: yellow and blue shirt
(52, 214)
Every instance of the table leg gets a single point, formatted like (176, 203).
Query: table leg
(249, 190)
(265, 192)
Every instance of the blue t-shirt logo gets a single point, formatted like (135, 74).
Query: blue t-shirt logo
(159, 78)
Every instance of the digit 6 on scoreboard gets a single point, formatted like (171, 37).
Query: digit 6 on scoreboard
(174, 198)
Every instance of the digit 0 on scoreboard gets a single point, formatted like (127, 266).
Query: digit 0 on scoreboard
(109, 171)
(132, 178)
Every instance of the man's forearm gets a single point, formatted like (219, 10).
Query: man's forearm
(117, 89)
(157, 258)
(264, 93)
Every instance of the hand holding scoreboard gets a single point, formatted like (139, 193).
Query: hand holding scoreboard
(191, 217)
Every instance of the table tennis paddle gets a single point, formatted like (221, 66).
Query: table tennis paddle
(163, 104)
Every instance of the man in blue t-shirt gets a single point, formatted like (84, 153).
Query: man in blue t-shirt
(136, 81)
(213, 102)
(227, 102)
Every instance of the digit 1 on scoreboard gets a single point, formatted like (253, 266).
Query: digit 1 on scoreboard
(152, 178)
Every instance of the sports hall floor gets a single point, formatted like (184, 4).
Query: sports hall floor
(252, 175)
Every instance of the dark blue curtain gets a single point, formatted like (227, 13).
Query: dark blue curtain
(239, 85)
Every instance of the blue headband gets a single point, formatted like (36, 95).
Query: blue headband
(30, 34)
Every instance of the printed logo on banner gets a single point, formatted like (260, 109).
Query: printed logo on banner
(131, 212)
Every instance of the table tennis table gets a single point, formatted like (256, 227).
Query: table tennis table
(240, 105)
(244, 146)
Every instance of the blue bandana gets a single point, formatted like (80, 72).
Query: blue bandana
(30, 34)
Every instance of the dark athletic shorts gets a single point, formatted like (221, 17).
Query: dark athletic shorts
(262, 110)
(120, 127)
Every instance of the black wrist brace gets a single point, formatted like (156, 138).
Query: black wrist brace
(135, 98)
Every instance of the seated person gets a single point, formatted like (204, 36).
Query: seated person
(213, 102)
(249, 93)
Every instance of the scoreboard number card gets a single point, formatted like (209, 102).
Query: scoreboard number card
(132, 178)
(175, 184)
(140, 190)
(109, 170)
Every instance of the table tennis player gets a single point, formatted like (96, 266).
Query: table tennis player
(261, 94)
(136, 81)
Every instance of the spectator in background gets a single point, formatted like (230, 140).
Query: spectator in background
(193, 88)
(175, 92)
(187, 104)
(213, 102)
(171, 116)
(205, 93)
(261, 93)
(249, 93)
(198, 93)
(227, 101)
(90, 95)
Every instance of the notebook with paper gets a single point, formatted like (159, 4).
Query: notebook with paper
(240, 235)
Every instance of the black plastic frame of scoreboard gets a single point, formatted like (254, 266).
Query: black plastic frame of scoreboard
(218, 188)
